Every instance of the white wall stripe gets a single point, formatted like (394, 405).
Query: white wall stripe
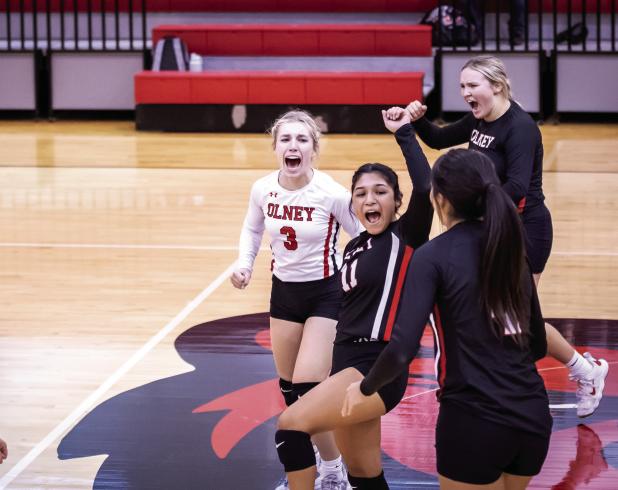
(387, 287)
(90, 402)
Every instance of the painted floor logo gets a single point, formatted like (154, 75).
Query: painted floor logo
(213, 427)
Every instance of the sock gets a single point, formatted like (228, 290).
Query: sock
(579, 368)
(287, 391)
(375, 483)
(333, 466)
(318, 460)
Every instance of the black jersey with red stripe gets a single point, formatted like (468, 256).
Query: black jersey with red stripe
(374, 266)
(489, 376)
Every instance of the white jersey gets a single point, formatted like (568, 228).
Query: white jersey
(303, 226)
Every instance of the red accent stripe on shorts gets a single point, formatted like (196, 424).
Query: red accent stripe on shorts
(327, 245)
(403, 268)
(521, 205)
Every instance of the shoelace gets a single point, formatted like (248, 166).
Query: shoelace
(331, 482)
(584, 387)
(283, 483)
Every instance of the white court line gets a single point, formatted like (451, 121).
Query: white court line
(563, 406)
(585, 254)
(120, 246)
(419, 394)
(215, 247)
(89, 402)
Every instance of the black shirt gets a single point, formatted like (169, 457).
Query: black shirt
(374, 266)
(492, 377)
(513, 142)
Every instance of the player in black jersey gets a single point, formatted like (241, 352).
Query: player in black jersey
(372, 275)
(498, 127)
(494, 422)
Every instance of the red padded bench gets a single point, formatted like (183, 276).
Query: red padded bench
(277, 88)
(302, 39)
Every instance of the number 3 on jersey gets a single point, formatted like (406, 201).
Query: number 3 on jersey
(290, 233)
(349, 282)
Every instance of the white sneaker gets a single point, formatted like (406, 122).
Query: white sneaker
(283, 484)
(333, 481)
(318, 466)
(590, 390)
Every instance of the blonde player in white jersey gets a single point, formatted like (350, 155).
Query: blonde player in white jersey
(302, 209)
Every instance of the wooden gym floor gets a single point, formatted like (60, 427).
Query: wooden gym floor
(127, 360)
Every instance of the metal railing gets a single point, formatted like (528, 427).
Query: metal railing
(65, 25)
(583, 26)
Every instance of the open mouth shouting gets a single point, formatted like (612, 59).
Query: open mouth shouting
(292, 162)
(372, 217)
(474, 105)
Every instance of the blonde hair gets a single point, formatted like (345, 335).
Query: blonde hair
(297, 115)
(493, 70)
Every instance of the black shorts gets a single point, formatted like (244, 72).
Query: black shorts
(474, 450)
(362, 356)
(297, 301)
(539, 237)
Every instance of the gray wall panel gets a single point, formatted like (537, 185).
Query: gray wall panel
(94, 80)
(586, 83)
(522, 69)
(17, 87)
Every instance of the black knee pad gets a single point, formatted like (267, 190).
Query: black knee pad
(375, 483)
(295, 450)
(287, 390)
(301, 389)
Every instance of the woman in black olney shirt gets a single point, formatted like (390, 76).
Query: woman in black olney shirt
(498, 127)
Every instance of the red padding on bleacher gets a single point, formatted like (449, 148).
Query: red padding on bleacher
(277, 88)
(302, 39)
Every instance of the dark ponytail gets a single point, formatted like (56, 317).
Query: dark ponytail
(504, 264)
(468, 180)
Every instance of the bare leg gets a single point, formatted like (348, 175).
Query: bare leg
(360, 446)
(313, 364)
(448, 484)
(320, 411)
(589, 373)
(285, 338)
(302, 479)
(515, 482)
(557, 346)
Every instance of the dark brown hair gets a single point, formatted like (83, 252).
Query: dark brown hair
(468, 180)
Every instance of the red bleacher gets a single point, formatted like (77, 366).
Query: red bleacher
(301, 39)
(277, 88)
